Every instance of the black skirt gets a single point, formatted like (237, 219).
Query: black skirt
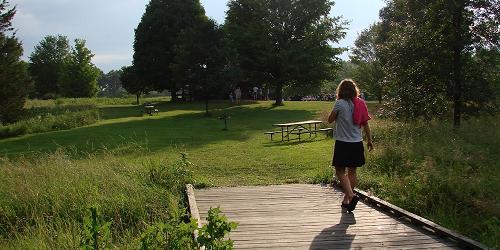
(348, 154)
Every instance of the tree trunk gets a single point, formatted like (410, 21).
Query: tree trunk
(457, 63)
(137, 96)
(173, 95)
(279, 94)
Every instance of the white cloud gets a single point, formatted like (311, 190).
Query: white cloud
(26, 24)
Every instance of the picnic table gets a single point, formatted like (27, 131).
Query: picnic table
(297, 128)
(150, 109)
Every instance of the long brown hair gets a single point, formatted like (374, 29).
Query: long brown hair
(347, 90)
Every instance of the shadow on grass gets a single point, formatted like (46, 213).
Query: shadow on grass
(158, 133)
(295, 141)
(125, 111)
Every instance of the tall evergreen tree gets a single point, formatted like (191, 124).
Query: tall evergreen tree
(156, 37)
(79, 76)
(14, 79)
(286, 41)
(46, 63)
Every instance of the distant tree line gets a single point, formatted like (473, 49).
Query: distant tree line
(279, 44)
(425, 59)
(59, 70)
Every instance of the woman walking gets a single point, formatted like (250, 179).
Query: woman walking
(350, 115)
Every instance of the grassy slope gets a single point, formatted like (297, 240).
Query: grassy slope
(449, 176)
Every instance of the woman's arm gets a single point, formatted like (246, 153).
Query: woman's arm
(332, 117)
(368, 133)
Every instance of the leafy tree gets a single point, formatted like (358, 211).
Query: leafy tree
(286, 43)
(369, 72)
(346, 70)
(46, 63)
(200, 59)
(14, 79)
(110, 84)
(426, 47)
(132, 82)
(156, 38)
(79, 76)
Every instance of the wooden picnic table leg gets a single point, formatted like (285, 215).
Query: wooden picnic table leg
(282, 139)
(288, 133)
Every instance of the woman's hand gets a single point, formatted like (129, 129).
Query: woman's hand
(369, 144)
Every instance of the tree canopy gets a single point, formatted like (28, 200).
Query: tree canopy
(156, 38)
(79, 76)
(201, 59)
(132, 82)
(426, 47)
(110, 84)
(46, 63)
(285, 43)
(15, 82)
(369, 73)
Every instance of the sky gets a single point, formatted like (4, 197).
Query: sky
(108, 26)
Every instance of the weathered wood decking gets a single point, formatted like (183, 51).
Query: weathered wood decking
(309, 217)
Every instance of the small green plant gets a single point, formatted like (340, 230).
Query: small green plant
(96, 233)
(173, 177)
(172, 235)
(211, 235)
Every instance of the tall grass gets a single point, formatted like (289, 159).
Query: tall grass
(450, 176)
(44, 197)
(98, 101)
(45, 119)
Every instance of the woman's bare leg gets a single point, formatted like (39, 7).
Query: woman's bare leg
(353, 178)
(345, 183)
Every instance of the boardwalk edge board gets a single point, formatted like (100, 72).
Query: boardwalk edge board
(417, 220)
(193, 209)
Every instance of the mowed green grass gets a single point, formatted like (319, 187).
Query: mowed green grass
(243, 155)
(449, 176)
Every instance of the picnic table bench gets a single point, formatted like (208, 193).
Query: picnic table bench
(297, 128)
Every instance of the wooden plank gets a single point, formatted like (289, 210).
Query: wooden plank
(465, 241)
(301, 216)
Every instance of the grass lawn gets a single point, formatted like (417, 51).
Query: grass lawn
(243, 155)
(449, 176)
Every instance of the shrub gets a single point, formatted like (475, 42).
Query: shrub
(212, 234)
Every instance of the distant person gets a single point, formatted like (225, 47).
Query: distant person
(231, 97)
(255, 91)
(260, 97)
(350, 115)
(237, 94)
(362, 95)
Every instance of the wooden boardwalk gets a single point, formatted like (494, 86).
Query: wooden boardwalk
(309, 217)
